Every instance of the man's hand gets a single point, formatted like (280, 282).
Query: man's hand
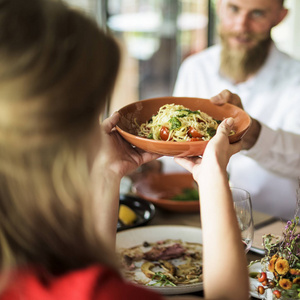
(227, 97)
(252, 134)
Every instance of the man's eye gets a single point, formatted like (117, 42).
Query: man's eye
(257, 14)
(233, 8)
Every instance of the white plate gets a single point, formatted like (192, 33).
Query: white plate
(136, 236)
(254, 283)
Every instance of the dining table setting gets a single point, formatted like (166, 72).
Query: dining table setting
(155, 220)
(159, 228)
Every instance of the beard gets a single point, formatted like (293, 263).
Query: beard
(240, 63)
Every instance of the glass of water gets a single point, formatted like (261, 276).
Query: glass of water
(243, 209)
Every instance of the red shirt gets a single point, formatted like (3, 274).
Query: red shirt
(92, 283)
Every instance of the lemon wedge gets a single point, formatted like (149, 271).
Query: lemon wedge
(126, 215)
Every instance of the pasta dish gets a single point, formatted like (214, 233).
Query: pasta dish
(179, 124)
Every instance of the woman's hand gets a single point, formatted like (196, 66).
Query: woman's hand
(218, 151)
(114, 159)
(118, 155)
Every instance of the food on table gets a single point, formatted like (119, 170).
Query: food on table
(187, 194)
(178, 123)
(281, 264)
(163, 263)
(126, 215)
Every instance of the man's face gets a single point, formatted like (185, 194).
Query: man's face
(245, 23)
(245, 32)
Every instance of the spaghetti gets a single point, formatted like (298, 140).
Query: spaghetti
(179, 124)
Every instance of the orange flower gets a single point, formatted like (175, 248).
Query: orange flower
(282, 266)
(271, 265)
(295, 272)
(296, 280)
(285, 283)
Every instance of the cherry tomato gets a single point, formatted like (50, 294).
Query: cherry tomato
(261, 290)
(192, 132)
(271, 284)
(194, 139)
(277, 294)
(164, 133)
(265, 282)
(263, 277)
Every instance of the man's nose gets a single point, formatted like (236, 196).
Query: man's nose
(242, 22)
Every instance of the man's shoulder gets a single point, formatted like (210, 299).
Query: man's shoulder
(285, 59)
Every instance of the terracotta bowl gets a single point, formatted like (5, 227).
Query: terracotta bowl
(143, 110)
(159, 188)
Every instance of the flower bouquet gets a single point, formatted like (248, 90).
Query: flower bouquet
(280, 274)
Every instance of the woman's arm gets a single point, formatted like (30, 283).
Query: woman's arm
(225, 265)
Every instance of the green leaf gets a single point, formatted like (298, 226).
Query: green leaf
(211, 131)
(175, 123)
(162, 280)
(186, 112)
(187, 194)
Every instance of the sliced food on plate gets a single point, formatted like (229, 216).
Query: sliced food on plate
(167, 262)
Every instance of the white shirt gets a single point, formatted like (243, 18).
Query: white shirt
(270, 169)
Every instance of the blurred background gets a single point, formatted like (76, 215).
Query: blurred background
(157, 35)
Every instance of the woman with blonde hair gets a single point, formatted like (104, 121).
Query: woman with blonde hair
(60, 170)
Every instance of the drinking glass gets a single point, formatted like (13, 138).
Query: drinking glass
(243, 209)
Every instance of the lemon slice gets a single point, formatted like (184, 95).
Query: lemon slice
(126, 215)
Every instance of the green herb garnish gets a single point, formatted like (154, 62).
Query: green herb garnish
(254, 274)
(186, 195)
(211, 131)
(186, 112)
(175, 123)
(162, 280)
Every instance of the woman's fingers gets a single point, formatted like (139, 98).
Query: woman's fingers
(109, 123)
(224, 129)
(188, 162)
(226, 126)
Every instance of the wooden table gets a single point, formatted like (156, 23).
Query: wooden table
(163, 217)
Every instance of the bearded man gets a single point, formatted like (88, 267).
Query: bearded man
(248, 63)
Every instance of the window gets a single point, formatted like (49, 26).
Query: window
(156, 36)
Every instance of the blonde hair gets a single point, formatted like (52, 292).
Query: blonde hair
(56, 71)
